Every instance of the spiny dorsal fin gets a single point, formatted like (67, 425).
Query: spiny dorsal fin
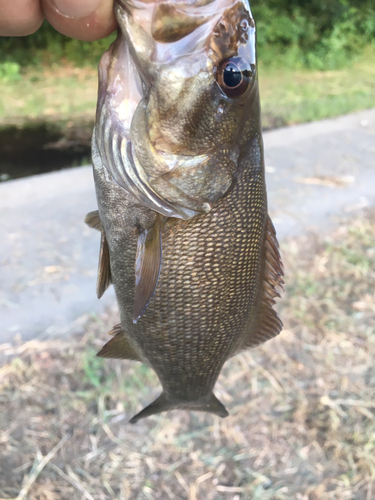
(118, 347)
(104, 268)
(268, 324)
(147, 267)
(92, 219)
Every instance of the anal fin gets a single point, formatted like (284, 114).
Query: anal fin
(104, 268)
(147, 267)
(118, 347)
(268, 323)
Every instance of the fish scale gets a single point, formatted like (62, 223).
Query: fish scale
(209, 293)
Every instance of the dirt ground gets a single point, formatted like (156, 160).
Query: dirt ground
(302, 410)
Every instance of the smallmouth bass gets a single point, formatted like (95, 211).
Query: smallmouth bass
(178, 161)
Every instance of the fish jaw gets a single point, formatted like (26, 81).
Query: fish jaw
(120, 94)
(120, 87)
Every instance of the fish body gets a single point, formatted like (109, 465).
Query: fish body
(179, 172)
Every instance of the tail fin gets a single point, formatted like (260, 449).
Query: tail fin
(158, 406)
(213, 406)
(162, 403)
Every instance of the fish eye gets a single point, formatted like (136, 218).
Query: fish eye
(234, 76)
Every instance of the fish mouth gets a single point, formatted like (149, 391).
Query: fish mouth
(169, 21)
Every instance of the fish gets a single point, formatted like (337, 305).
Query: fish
(177, 153)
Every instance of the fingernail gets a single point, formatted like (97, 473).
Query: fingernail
(74, 9)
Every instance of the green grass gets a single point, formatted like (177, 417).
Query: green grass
(291, 97)
(55, 94)
(62, 93)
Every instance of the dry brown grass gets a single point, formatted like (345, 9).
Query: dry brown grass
(302, 406)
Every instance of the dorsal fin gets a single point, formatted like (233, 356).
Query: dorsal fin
(268, 324)
(92, 219)
(147, 267)
(118, 347)
(104, 268)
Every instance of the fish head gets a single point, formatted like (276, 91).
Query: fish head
(181, 79)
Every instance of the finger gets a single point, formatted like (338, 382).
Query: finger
(20, 17)
(86, 20)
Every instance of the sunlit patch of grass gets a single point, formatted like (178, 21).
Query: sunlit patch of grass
(302, 411)
(301, 96)
(61, 93)
(51, 94)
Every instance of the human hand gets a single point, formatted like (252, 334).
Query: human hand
(83, 19)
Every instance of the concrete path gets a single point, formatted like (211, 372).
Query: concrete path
(48, 256)
(320, 170)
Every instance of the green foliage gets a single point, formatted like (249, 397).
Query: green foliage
(10, 71)
(47, 46)
(317, 34)
(93, 369)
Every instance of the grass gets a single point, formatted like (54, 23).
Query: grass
(290, 97)
(302, 411)
(49, 94)
(65, 93)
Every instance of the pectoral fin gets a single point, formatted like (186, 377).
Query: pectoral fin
(147, 267)
(118, 347)
(104, 268)
(92, 219)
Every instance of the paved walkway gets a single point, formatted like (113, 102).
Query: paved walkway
(48, 256)
(320, 170)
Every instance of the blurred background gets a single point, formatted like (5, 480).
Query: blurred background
(316, 58)
(302, 411)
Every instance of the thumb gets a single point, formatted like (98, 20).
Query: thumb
(86, 20)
